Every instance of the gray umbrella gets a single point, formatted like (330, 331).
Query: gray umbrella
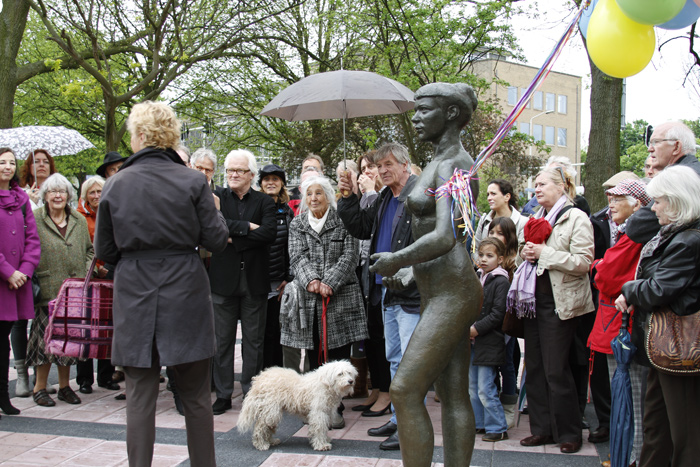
(340, 94)
(57, 140)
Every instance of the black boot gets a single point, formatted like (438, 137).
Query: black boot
(5, 404)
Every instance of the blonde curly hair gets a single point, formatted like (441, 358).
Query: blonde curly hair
(157, 122)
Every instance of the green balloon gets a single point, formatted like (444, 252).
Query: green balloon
(651, 11)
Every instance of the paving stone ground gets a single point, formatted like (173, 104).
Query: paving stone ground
(94, 432)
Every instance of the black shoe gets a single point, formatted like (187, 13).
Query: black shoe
(66, 394)
(601, 435)
(120, 397)
(388, 429)
(376, 413)
(480, 431)
(494, 437)
(111, 385)
(391, 443)
(178, 404)
(85, 388)
(221, 405)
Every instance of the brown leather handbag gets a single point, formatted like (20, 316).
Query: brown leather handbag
(673, 342)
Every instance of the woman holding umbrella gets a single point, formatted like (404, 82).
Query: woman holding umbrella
(19, 256)
(37, 168)
(609, 274)
(668, 277)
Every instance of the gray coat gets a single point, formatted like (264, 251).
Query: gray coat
(331, 257)
(153, 214)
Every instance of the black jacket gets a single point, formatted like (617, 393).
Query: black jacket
(643, 224)
(670, 277)
(248, 251)
(601, 232)
(363, 224)
(279, 249)
(490, 345)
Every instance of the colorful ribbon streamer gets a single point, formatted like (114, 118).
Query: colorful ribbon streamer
(458, 187)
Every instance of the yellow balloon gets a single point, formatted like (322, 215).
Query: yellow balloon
(618, 46)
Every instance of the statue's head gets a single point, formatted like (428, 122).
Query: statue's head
(457, 100)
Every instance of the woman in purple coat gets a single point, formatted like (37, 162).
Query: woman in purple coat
(19, 255)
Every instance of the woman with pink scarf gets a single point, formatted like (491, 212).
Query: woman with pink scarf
(550, 289)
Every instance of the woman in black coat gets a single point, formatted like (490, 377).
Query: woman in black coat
(153, 214)
(668, 278)
(273, 181)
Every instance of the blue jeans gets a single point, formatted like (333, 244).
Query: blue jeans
(398, 329)
(488, 411)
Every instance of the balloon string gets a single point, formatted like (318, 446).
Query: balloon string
(458, 187)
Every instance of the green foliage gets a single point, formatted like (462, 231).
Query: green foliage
(633, 159)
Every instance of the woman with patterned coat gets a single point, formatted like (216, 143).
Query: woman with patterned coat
(323, 257)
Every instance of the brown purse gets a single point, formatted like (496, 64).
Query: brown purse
(673, 342)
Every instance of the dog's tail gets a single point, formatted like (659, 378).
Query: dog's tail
(246, 419)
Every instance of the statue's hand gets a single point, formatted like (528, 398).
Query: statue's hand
(401, 280)
(384, 264)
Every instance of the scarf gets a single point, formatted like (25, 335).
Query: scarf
(498, 271)
(651, 246)
(317, 224)
(521, 296)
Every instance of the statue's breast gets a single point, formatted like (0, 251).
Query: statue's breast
(420, 202)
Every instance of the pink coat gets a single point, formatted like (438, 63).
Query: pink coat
(20, 250)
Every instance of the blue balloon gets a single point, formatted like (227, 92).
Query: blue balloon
(688, 15)
(585, 17)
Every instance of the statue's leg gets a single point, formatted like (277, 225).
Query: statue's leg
(429, 352)
(458, 426)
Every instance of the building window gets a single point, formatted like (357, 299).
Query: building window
(561, 137)
(537, 132)
(537, 100)
(522, 92)
(561, 104)
(549, 135)
(525, 128)
(550, 101)
(512, 95)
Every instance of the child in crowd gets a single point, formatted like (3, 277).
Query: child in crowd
(489, 348)
(503, 228)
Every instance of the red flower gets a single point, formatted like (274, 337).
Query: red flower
(537, 230)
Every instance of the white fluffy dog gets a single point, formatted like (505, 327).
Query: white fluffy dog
(312, 396)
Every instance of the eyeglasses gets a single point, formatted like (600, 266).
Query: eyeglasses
(656, 142)
(205, 170)
(57, 192)
(240, 172)
(617, 200)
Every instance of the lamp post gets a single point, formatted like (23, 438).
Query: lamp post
(529, 179)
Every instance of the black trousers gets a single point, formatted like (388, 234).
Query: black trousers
(5, 328)
(551, 391)
(272, 349)
(84, 372)
(671, 421)
(375, 349)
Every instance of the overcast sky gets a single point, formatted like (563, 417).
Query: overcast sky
(656, 94)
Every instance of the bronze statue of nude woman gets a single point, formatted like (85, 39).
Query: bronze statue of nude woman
(439, 350)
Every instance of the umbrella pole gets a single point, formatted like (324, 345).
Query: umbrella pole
(345, 160)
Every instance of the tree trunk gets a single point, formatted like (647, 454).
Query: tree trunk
(13, 20)
(603, 158)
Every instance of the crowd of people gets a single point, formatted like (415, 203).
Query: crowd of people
(312, 271)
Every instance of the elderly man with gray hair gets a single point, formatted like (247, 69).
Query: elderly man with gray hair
(239, 276)
(671, 144)
(204, 160)
(387, 223)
